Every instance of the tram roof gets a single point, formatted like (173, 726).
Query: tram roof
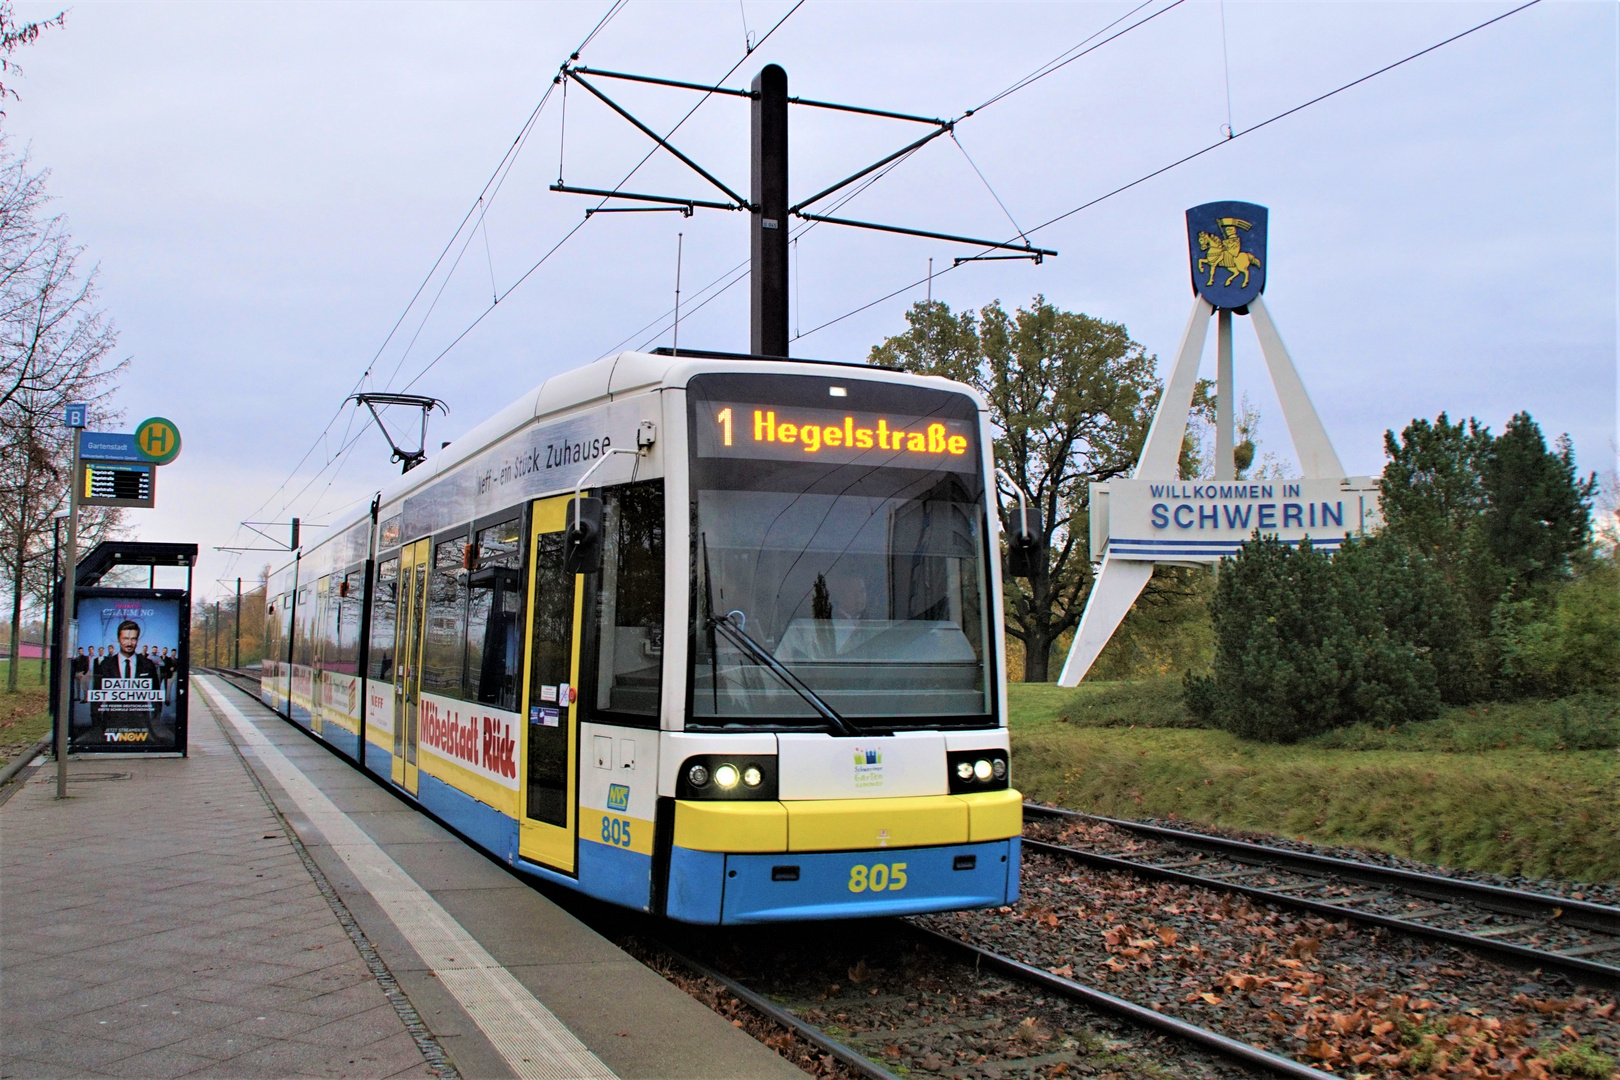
(621, 374)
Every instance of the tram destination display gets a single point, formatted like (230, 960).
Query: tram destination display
(128, 675)
(835, 436)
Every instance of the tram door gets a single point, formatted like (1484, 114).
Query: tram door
(317, 688)
(551, 744)
(413, 567)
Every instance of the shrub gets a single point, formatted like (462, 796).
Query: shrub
(1564, 642)
(1301, 647)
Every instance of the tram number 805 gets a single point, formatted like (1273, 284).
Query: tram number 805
(615, 831)
(877, 877)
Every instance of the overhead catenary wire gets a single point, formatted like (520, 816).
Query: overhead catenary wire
(1226, 66)
(1064, 59)
(986, 181)
(569, 235)
(485, 195)
(1251, 129)
(741, 269)
(498, 179)
(845, 197)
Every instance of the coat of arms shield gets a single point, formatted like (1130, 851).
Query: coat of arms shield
(1226, 243)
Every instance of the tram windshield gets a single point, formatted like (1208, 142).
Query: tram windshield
(839, 546)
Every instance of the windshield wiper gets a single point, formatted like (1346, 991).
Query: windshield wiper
(708, 613)
(756, 652)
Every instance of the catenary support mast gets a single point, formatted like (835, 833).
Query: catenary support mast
(768, 280)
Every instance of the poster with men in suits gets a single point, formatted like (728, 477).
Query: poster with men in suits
(126, 663)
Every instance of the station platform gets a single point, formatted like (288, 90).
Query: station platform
(261, 909)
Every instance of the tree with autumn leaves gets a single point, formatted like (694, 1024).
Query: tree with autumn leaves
(1071, 398)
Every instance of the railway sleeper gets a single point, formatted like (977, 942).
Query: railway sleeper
(1594, 947)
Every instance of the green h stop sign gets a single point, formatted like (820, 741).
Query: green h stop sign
(158, 439)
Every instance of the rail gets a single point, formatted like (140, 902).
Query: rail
(1552, 911)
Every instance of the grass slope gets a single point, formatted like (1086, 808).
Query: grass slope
(23, 717)
(1531, 788)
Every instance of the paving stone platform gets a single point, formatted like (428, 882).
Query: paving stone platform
(160, 923)
(186, 917)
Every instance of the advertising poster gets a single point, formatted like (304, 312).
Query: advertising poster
(128, 677)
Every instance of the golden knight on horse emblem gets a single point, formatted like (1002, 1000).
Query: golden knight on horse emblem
(1226, 252)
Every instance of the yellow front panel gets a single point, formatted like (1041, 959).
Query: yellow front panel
(731, 826)
(858, 824)
(994, 815)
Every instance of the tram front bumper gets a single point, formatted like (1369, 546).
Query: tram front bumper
(783, 862)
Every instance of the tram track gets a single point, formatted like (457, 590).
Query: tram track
(1062, 1026)
(857, 996)
(1577, 939)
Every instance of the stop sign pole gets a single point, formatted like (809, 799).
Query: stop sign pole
(75, 418)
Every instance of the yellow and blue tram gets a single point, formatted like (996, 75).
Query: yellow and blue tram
(713, 637)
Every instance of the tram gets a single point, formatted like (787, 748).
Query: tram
(709, 636)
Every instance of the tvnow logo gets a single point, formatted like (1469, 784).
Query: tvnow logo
(127, 736)
(484, 742)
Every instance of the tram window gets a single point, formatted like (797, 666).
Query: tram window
(324, 627)
(383, 605)
(871, 593)
(445, 636)
(494, 617)
(275, 638)
(347, 600)
(303, 625)
(630, 601)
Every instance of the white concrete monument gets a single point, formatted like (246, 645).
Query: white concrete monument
(1155, 516)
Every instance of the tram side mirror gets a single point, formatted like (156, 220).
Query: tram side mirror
(1024, 542)
(582, 539)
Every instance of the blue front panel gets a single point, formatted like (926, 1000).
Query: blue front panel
(863, 884)
(696, 882)
(615, 875)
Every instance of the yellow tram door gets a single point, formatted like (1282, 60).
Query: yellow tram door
(413, 566)
(549, 776)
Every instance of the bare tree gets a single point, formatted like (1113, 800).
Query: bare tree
(56, 346)
(13, 36)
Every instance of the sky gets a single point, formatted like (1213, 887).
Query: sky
(265, 188)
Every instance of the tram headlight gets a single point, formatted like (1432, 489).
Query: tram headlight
(971, 771)
(727, 776)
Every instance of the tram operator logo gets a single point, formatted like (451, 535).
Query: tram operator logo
(1227, 243)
